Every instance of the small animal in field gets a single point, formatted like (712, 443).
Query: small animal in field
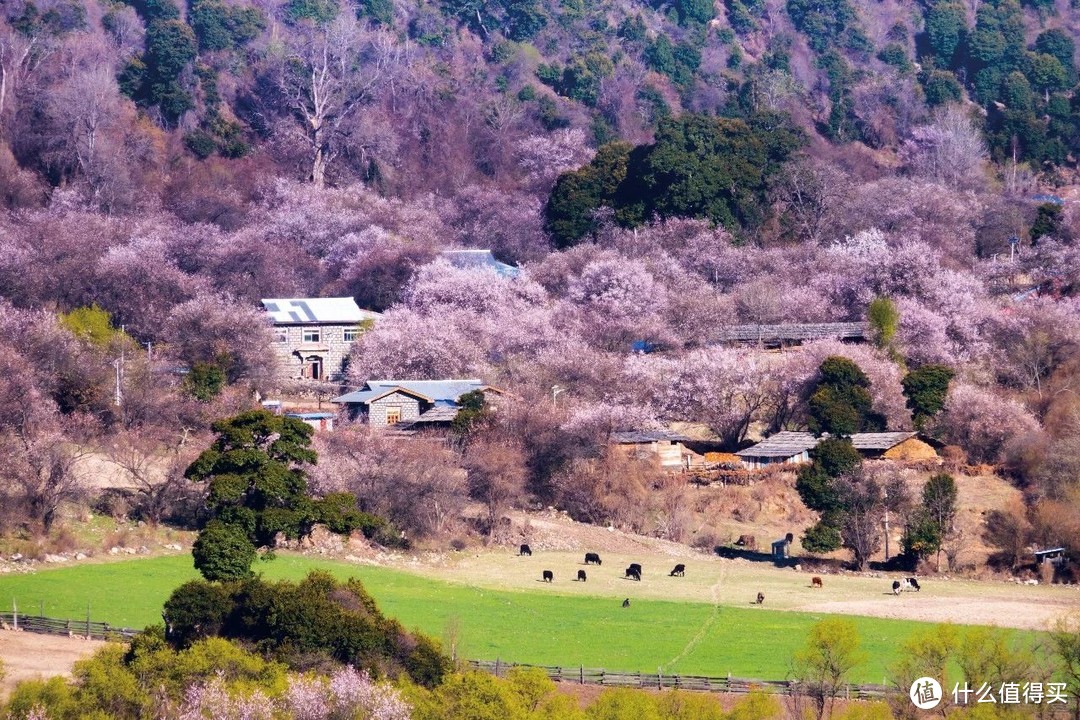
(581, 576)
(678, 571)
(815, 582)
(636, 566)
(896, 587)
(525, 550)
(592, 559)
(911, 583)
(760, 598)
(548, 576)
(626, 602)
(632, 572)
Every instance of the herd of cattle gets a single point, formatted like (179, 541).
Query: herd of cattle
(633, 572)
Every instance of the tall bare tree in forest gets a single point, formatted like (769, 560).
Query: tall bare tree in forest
(325, 75)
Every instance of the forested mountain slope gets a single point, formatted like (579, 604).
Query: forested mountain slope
(659, 171)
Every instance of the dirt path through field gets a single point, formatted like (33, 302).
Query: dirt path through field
(714, 592)
(30, 655)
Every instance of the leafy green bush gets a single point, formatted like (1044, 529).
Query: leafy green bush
(196, 610)
(223, 552)
(300, 622)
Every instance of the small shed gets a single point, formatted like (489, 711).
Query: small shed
(1050, 556)
(793, 333)
(785, 447)
(320, 421)
(893, 446)
(666, 449)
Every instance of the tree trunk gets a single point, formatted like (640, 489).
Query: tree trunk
(318, 167)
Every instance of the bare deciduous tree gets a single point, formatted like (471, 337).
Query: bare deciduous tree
(324, 77)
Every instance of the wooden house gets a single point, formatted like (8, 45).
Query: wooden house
(786, 447)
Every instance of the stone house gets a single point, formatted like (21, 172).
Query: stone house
(416, 403)
(312, 336)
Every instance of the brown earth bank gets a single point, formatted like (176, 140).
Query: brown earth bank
(29, 655)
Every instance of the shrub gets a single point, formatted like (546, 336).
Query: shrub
(223, 552)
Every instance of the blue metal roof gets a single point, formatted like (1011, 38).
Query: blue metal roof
(311, 415)
(440, 392)
(479, 259)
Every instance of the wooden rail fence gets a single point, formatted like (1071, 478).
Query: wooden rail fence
(607, 678)
(581, 675)
(87, 628)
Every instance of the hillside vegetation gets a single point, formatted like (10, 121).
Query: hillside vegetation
(660, 172)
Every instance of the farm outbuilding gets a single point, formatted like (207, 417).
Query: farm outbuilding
(793, 448)
(1050, 556)
(785, 447)
(667, 450)
(793, 333)
(320, 421)
(893, 446)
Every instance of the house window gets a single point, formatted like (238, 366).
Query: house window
(312, 335)
(281, 336)
(393, 414)
(351, 334)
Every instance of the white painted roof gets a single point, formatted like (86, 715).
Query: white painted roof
(293, 311)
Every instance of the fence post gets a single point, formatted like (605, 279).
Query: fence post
(601, 676)
(87, 621)
(15, 613)
(581, 674)
(496, 667)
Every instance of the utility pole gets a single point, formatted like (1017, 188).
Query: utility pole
(118, 391)
(886, 496)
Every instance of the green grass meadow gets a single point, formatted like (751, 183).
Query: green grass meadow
(539, 627)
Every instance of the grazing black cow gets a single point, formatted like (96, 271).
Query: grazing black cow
(760, 598)
(525, 550)
(626, 602)
(592, 559)
(636, 566)
(911, 584)
(633, 572)
(581, 575)
(895, 587)
(678, 571)
(548, 576)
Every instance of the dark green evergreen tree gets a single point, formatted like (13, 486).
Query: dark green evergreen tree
(926, 388)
